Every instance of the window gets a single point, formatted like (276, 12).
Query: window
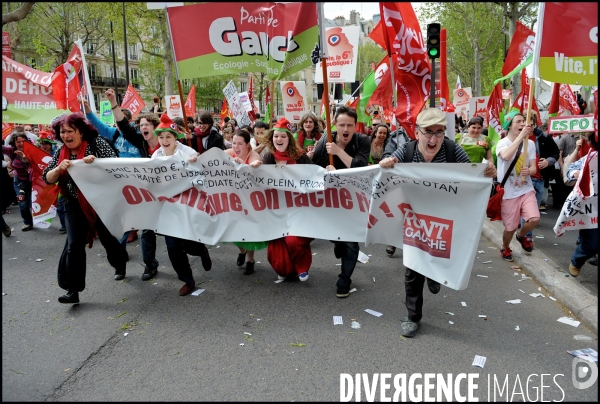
(90, 47)
(92, 71)
(315, 95)
(314, 107)
(243, 86)
(97, 99)
(133, 77)
(108, 52)
(110, 72)
(121, 73)
(133, 55)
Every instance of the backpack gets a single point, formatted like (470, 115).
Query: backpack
(450, 151)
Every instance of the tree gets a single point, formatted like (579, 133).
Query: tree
(18, 14)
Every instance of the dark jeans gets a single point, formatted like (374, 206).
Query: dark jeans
(72, 262)
(587, 248)
(24, 206)
(413, 286)
(60, 211)
(349, 254)
(178, 249)
(149, 248)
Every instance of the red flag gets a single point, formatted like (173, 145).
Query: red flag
(224, 112)
(190, 103)
(133, 102)
(444, 88)
(377, 34)
(66, 85)
(494, 107)
(567, 99)
(521, 102)
(596, 114)
(521, 45)
(251, 114)
(553, 108)
(412, 71)
(43, 201)
(7, 129)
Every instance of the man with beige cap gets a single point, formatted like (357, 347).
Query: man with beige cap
(430, 147)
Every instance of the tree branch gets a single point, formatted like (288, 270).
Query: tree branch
(18, 14)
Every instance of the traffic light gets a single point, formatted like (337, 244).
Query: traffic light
(433, 40)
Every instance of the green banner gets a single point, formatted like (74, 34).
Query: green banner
(106, 114)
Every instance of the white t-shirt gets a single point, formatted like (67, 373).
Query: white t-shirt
(185, 150)
(514, 186)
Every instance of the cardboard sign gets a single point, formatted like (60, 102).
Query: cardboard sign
(342, 51)
(174, 107)
(235, 105)
(461, 101)
(478, 107)
(571, 124)
(106, 114)
(293, 94)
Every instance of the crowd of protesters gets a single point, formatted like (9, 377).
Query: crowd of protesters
(278, 142)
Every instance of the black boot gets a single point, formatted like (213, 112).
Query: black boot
(249, 268)
(149, 273)
(70, 297)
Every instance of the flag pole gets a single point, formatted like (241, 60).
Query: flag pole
(272, 84)
(532, 83)
(187, 130)
(323, 54)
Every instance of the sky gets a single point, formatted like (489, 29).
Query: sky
(366, 9)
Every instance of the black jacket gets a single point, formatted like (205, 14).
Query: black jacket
(358, 148)
(548, 149)
(134, 137)
(214, 140)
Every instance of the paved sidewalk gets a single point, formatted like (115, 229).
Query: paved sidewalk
(576, 297)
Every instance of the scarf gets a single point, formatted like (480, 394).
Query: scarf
(283, 157)
(302, 136)
(199, 137)
(87, 209)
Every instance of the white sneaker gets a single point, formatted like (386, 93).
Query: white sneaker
(280, 278)
(303, 276)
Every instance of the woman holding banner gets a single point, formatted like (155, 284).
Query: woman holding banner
(242, 153)
(81, 142)
(21, 178)
(291, 255)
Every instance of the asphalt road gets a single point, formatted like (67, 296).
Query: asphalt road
(190, 348)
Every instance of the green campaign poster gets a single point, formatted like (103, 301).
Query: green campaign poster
(106, 114)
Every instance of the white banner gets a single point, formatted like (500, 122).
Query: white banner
(293, 96)
(215, 200)
(173, 105)
(235, 105)
(342, 52)
(579, 211)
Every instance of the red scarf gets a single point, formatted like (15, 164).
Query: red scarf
(87, 209)
(199, 137)
(283, 157)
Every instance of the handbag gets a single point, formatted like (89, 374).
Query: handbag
(494, 207)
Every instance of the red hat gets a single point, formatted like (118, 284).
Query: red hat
(46, 136)
(167, 125)
(283, 125)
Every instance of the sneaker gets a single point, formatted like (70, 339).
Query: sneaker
(506, 254)
(542, 208)
(133, 235)
(408, 328)
(62, 230)
(280, 278)
(206, 261)
(303, 276)
(149, 273)
(342, 292)
(390, 250)
(573, 270)
(592, 261)
(27, 227)
(6, 230)
(526, 243)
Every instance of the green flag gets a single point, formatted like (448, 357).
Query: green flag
(517, 69)
(369, 87)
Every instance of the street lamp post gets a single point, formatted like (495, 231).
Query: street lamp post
(126, 50)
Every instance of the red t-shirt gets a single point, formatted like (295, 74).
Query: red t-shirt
(151, 150)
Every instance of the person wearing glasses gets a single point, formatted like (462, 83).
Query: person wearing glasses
(430, 147)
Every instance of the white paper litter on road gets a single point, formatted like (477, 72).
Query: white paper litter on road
(279, 280)
(479, 361)
(482, 276)
(589, 354)
(481, 252)
(338, 320)
(338, 264)
(555, 244)
(370, 255)
(482, 316)
(546, 259)
(355, 325)
(352, 290)
(517, 328)
(582, 337)
(523, 279)
(314, 253)
(536, 295)
(451, 322)
(247, 333)
(197, 292)
(515, 274)
(539, 236)
(464, 304)
(493, 248)
(39, 260)
(450, 313)
(126, 334)
(486, 262)
(540, 288)
(515, 301)
(373, 312)
(47, 301)
(521, 291)
(362, 257)
(569, 321)
(373, 279)
(551, 298)
(242, 344)
(13, 258)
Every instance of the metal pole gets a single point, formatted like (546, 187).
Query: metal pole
(432, 90)
(323, 51)
(126, 50)
(114, 62)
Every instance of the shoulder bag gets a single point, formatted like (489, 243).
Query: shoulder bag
(494, 207)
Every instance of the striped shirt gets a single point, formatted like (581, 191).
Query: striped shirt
(440, 157)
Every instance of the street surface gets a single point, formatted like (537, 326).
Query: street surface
(190, 348)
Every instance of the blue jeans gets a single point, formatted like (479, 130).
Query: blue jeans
(538, 185)
(24, 206)
(349, 255)
(60, 211)
(123, 240)
(587, 248)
